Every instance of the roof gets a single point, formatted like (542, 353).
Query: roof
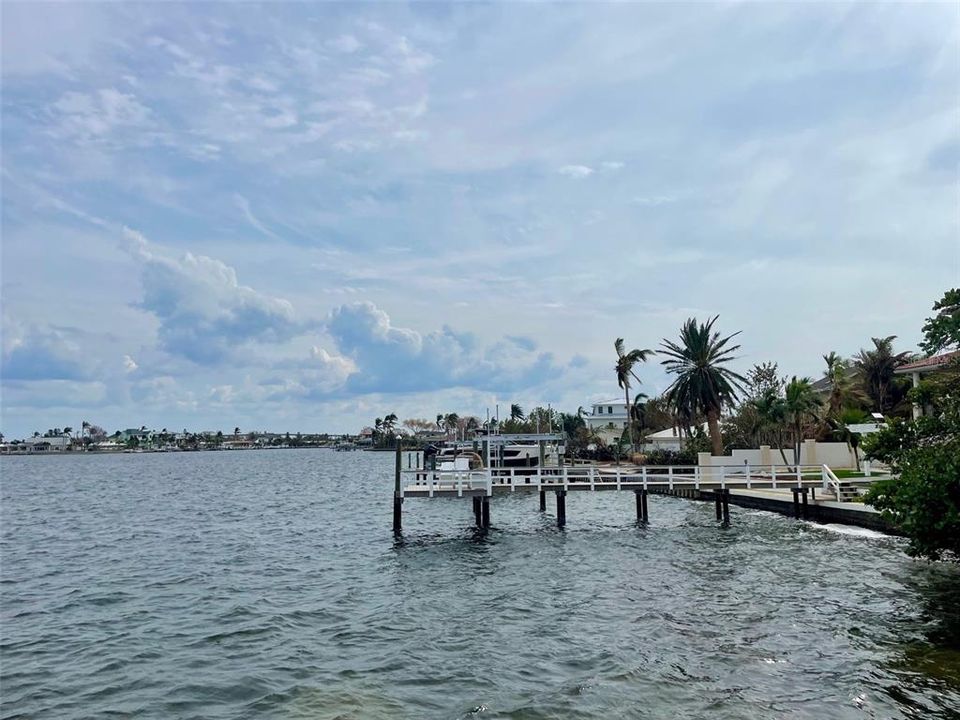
(671, 433)
(608, 402)
(930, 363)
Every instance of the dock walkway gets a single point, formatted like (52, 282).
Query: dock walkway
(764, 486)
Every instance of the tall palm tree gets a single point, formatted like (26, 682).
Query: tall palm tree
(516, 413)
(801, 403)
(626, 360)
(772, 415)
(439, 421)
(702, 384)
(877, 366)
(638, 413)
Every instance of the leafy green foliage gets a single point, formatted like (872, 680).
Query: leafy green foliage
(924, 501)
(942, 331)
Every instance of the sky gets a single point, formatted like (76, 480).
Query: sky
(298, 216)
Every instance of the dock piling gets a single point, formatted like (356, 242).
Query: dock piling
(718, 502)
(397, 513)
(805, 508)
(477, 512)
(561, 508)
(796, 502)
(397, 496)
(543, 500)
(642, 514)
(485, 513)
(725, 493)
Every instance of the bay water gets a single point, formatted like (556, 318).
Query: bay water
(268, 584)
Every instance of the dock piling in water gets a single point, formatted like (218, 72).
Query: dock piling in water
(543, 500)
(561, 508)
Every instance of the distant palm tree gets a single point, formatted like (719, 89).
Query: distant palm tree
(638, 413)
(452, 422)
(842, 431)
(772, 417)
(516, 413)
(626, 361)
(801, 403)
(702, 384)
(390, 424)
(439, 421)
(236, 431)
(877, 367)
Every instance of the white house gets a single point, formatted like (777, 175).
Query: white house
(669, 439)
(608, 418)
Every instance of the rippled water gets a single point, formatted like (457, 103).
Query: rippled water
(268, 584)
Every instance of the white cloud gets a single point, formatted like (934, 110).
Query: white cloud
(612, 165)
(129, 364)
(98, 114)
(576, 171)
(345, 44)
(204, 312)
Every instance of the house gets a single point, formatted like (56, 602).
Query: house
(669, 439)
(926, 366)
(608, 418)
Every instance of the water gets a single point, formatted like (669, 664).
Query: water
(269, 585)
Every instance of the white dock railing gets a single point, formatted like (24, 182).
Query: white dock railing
(591, 477)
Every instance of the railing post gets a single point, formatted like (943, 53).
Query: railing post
(773, 476)
(749, 484)
(618, 479)
(670, 476)
(823, 477)
(723, 476)
(799, 476)
(643, 475)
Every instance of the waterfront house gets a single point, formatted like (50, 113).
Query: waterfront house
(926, 366)
(608, 418)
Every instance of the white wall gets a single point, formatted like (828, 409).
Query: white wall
(834, 454)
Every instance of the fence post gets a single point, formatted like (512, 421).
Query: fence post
(397, 495)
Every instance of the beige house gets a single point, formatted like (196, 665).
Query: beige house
(925, 366)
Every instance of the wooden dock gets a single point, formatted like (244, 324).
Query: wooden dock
(415, 480)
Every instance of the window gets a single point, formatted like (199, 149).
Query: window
(610, 409)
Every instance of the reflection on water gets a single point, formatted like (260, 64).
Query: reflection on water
(269, 584)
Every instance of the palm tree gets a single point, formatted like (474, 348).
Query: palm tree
(801, 403)
(841, 430)
(702, 383)
(516, 413)
(452, 422)
(236, 431)
(772, 416)
(638, 413)
(439, 421)
(390, 424)
(624, 369)
(877, 366)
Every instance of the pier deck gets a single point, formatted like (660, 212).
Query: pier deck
(414, 480)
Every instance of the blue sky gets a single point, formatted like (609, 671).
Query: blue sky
(302, 216)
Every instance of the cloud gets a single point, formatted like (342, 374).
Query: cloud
(204, 312)
(129, 364)
(251, 218)
(42, 354)
(97, 114)
(393, 359)
(612, 165)
(653, 200)
(576, 171)
(345, 44)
